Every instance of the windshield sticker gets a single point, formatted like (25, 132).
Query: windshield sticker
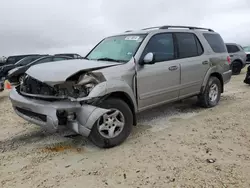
(132, 38)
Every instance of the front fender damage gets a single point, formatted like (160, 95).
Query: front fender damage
(86, 116)
(78, 112)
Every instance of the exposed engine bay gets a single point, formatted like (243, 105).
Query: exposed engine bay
(77, 86)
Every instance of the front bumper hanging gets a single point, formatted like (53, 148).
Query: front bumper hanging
(54, 115)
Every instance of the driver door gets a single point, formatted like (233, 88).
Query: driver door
(158, 83)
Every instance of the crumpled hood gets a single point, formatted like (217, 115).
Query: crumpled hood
(57, 72)
(247, 52)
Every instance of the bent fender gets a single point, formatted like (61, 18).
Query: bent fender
(87, 116)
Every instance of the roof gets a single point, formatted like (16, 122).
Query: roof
(165, 27)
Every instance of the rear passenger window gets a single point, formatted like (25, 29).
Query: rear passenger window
(188, 45)
(232, 48)
(162, 46)
(216, 42)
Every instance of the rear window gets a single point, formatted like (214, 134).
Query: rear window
(232, 48)
(11, 60)
(216, 42)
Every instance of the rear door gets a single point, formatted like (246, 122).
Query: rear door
(194, 64)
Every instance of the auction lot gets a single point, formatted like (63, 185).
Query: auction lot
(177, 145)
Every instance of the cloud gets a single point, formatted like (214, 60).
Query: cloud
(56, 26)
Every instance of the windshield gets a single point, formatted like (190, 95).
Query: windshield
(246, 48)
(26, 60)
(22, 61)
(119, 48)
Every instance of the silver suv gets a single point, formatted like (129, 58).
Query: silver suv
(100, 95)
(238, 57)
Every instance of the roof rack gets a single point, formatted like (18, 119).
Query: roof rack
(143, 29)
(151, 28)
(174, 26)
(186, 27)
(177, 26)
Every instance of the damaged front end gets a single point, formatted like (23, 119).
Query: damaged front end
(75, 88)
(58, 105)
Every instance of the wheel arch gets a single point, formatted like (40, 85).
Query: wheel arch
(118, 89)
(126, 98)
(219, 76)
(238, 60)
(215, 74)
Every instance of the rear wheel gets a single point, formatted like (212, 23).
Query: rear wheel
(212, 93)
(112, 128)
(236, 67)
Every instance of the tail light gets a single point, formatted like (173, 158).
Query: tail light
(229, 60)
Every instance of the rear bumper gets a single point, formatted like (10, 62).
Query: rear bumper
(47, 114)
(227, 76)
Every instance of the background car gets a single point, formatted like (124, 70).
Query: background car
(238, 57)
(1, 84)
(75, 56)
(2, 60)
(247, 77)
(4, 69)
(16, 58)
(15, 76)
(247, 50)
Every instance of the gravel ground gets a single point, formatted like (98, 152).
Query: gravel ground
(177, 145)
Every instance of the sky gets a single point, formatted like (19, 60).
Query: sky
(63, 26)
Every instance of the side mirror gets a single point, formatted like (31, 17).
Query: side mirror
(148, 58)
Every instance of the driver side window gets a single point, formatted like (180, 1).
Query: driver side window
(162, 46)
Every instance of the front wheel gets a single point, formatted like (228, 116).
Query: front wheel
(212, 93)
(112, 128)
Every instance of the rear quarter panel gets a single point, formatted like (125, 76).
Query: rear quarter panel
(218, 62)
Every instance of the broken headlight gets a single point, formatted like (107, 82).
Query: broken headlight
(80, 89)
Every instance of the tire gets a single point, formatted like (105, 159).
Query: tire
(236, 67)
(204, 99)
(103, 141)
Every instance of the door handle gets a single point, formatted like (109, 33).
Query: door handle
(231, 55)
(172, 68)
(205, 62)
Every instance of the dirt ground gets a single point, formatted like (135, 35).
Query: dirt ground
(177, 145)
